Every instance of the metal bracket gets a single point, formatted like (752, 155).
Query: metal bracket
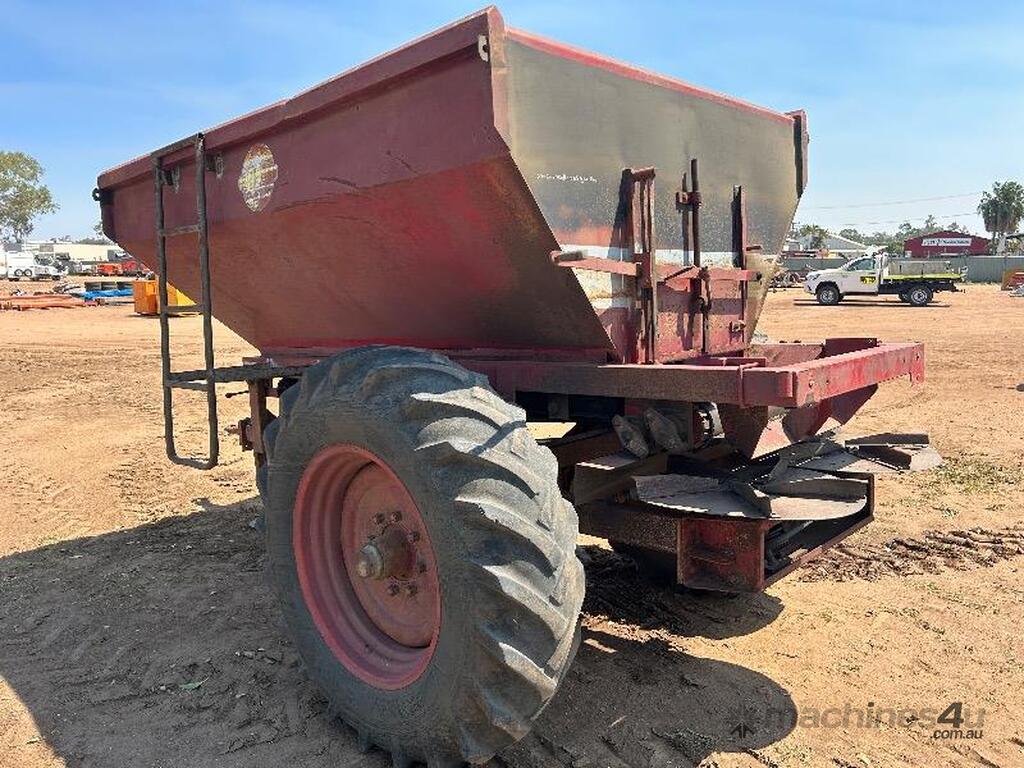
(171, 177)
(641, 238)
(688, 200)
(579, 260)
(215, 164)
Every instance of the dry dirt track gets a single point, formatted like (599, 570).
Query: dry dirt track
(136, 628)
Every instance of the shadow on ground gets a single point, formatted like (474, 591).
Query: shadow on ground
(867, 302)
(618, 588)
(162, 646)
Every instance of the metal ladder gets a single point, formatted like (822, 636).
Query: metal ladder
(203, 380)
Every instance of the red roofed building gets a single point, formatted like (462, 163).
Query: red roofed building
(944, 244)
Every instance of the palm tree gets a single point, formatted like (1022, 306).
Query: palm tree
(1002, 210)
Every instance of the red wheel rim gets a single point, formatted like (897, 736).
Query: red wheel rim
(366, 566)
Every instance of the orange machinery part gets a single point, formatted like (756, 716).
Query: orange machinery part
(144, 293)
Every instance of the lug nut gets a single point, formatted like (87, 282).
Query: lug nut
(396, 516)
(411, 589)
(414, 536)
(379, 518)
(392, 589)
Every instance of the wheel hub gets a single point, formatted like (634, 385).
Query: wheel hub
(389, 555)
(397, 593)
(366, 566)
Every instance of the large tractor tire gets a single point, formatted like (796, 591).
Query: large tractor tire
(423, 553)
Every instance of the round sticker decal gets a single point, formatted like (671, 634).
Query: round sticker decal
(259, 172)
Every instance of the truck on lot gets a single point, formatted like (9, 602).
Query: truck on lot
(28, 265)
(432, 252)
(125, 268)
(915, 281)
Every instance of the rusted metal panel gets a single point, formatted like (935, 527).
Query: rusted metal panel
(577, 119)
(380, 227)
(606, 476)
(435, 230)
(725, 555)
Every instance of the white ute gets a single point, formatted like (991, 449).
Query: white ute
(915, 282)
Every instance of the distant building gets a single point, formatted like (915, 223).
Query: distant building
(833, 245)
(837, 245)
(84, 253)
(945, 244)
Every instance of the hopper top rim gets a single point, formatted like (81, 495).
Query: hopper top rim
(409, 56)
(634, 72)
(339, 87)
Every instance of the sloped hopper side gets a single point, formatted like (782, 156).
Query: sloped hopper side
(387, 209)
(576, 120)
(384, 205)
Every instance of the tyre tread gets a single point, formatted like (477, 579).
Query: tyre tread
(479, 449)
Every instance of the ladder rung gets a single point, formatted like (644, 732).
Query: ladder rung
(184, 230)
(197, 385)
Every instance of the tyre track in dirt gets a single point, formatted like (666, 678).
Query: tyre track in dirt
(933, 552)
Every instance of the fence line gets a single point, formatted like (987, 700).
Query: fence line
(980, 269)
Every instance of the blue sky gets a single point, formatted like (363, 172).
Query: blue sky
(906, 100)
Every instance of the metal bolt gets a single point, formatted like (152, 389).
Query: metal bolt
(396, 516)
(414, 536)
(370, 562)
(379, 518)
(392, 589)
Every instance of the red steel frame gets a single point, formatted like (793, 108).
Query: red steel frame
(838, 375)
(817, 373)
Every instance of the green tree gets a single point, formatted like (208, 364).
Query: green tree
(816, 235)
(23, 196)
(1002, 210)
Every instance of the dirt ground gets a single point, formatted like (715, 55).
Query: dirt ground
(136, 628)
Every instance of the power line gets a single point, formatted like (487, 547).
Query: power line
(891, 202)
(945, 216)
